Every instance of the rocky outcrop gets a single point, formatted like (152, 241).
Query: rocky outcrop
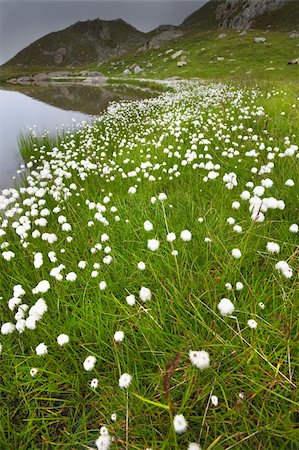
(240, 14)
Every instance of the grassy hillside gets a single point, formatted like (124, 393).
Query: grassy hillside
(218, 167)
(234, 57)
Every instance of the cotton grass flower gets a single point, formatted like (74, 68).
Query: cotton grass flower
(153, 244)
(272, 247)
(124, 380)
(119, 336)
(33, 371)
(41, 349)
(145, 294)
(94, 383)
(294, 228)
(89, 363)
(252, 324)
(199, 359)
(214, 400)
(148, 226)
(186, 235)
(103, 442)
(42, 287)
(225, 307)
(171, 237)
(72, 276)
(239, 286)
(7, 328)
(180, 424)
(62, 339)
(131, 300)
(236, 253)
(141, 265)
(103, 285)
(193, 446)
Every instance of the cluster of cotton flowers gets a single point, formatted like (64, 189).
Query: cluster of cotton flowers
(272, 247)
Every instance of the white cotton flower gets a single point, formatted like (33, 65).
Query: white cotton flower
(145, 294)
(102, 285)
(113, 417)
(214, 400)
(130, 299)
(82, 264)
(18, 291)
(72, 276)
(33, 371)
(193, 446)
(200, 219)
(236, 205)
(252, 323)
(89, 363)
(94, 274)
(284, 268)
(239, 286)
(104, 237)
(186, 235)
(230, 220)
(7, 328)
(103, 442)
(261, 305)
(148, 226)
(228, 286)
(290, 183)
(180, 424)
(272, 247)
(153, 200)
(225, 307)
(42, 287)
(119, 336)
(94, 383)
(141, 265)
(236, 253)
(132, 190)
(162, 197)
(62, 339)
(171, 237)
(107, 259)
(245, 195)
(124, 380)
(207, 239)
(38, 260)
(41, 349)
(294, 228)
(174, 253)
(199, 359)
(38, 309)
(153, 244)
(237, 228)
(8, 255)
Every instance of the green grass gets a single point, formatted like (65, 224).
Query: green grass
(57, 408)
(243, 58)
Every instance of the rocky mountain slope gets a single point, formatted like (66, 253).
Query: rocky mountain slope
(98, 41)
(244, 14)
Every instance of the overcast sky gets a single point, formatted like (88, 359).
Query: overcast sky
(24, 21)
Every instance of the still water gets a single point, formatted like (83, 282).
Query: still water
(46, 108)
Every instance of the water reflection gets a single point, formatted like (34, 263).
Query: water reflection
(47, 108)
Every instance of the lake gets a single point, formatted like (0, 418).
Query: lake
(48, 108)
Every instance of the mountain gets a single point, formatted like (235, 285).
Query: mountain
(97, 41)
(92, 41)
(243, 14)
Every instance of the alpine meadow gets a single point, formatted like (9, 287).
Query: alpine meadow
(149, 258)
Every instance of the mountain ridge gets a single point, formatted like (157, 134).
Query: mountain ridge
(97, 41)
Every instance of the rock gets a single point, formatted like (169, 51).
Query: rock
(243, 33)
(127, 72)
(41, 77)
(220, 58)
(294, 35)
(294, 61)
(164, 34)
(177, 54)
(259, 39)
(137, 69)
(149, 64)
(12, 81)
(222, 36)
(181, 63)
(94, 73)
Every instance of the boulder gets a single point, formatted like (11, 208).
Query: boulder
(127, 72)
(294, 35)
(294, 61)
(177, 54)
(259, 39)
(137, 69)
(181, 63)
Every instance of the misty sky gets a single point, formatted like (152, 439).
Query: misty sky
(24, 21)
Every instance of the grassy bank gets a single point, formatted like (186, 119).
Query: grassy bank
(79, 224)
